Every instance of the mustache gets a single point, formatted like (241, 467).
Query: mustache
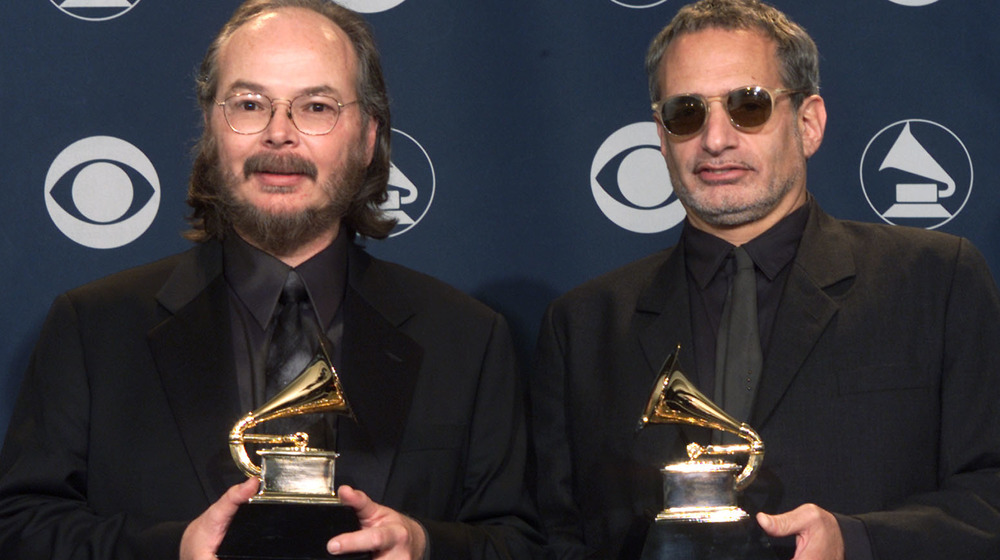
(274, 163)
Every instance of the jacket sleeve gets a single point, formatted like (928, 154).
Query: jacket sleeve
(550, 426)
(45, 511)
(961, 517)
(496, 519)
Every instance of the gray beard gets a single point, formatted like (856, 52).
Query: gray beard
(732, 215)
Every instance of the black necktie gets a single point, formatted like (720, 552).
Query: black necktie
(293, 343)
(738, 355)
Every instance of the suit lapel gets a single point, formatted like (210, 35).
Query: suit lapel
(380, 365)
(667, 299)
(805, 310)
(192, 351)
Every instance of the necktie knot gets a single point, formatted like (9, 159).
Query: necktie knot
(743, 260)
(294, 290)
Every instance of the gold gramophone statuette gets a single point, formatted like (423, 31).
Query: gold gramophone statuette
(293, 472)
(296, 510)
(703, 488)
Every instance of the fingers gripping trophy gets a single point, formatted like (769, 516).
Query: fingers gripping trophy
(700, 518)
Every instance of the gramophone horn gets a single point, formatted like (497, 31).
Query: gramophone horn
(675, 400)
(316, 389)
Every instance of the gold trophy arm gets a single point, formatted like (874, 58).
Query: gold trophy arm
(754, 460)
(316, 389)
(298, 439)
(754, 450)
(238, 440)
(238, 449)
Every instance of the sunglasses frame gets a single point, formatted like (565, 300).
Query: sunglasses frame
(772, 94)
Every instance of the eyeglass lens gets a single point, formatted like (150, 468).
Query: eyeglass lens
(311, 114)
(686, 114)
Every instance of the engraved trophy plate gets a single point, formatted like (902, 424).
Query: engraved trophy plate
(296, 509)
(293, 475)
(700, 517)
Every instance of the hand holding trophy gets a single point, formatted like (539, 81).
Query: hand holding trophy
(700, 518)
(296, 511)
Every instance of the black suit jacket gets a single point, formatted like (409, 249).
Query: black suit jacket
(118, 438)
(879, 397)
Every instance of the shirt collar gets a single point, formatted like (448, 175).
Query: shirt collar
(257, 277)
(771, 251)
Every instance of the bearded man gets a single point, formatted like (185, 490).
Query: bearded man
(118, 447)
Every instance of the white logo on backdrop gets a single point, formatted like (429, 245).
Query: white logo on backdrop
(369, 6)
(638, 4)
(411, 183)
(916, 172)
(92, 195)
(913, 2)
(630, 181)
(94, 10)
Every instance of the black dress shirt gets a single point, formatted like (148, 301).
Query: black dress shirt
(710, 269)
(255, 279)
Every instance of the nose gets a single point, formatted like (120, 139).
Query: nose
(281, 130)
(719, 133)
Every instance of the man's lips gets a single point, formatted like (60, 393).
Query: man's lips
(273, 179)
(721, 173)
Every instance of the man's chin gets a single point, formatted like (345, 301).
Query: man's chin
(288, 206)
(282, 230)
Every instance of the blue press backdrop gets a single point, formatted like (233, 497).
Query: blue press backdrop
(523, 149)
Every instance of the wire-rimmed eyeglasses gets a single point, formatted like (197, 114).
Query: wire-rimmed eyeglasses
(312, 114)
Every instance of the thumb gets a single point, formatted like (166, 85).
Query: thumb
(234, 498)
(776, 525)
(362, 504)
(245, 490)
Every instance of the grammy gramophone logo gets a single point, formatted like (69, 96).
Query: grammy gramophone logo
(916, 173)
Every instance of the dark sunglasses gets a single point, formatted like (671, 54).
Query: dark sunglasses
(748, 108)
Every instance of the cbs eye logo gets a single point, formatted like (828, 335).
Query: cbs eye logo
(102, 192)
(638, 4)
(94, 10)
(630, 181)
(370, 6)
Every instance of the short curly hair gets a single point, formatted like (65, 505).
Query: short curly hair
(797, 53)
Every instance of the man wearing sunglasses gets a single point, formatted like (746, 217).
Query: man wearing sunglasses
(873, 370)
(118, 449)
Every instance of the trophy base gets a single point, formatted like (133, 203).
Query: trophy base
(284, 531)
(742, 540)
